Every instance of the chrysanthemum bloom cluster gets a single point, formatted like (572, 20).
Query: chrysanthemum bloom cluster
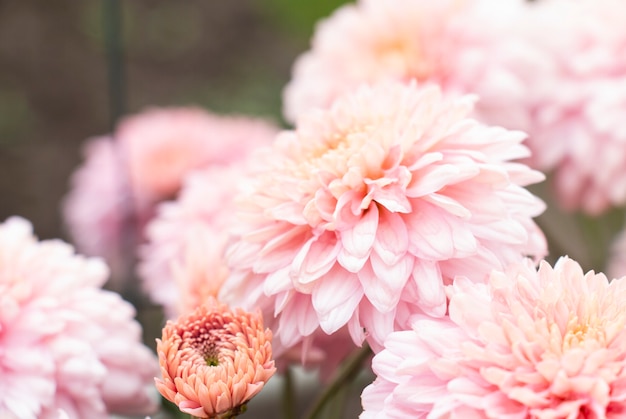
(458, 45)
(115, 192)
(579, 105)
(546, 344)
(366, 210)
(182, 262)
(214, 360)
(65, 343)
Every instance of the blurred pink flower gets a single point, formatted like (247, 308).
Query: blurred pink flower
(162, 145)
(182, 263)
(114, 194)
(457, 44)
(214, 360)
(65, 344)
(546, 344)
(364, 212)
(577, 103)
(96, 210)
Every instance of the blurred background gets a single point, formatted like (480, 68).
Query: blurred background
(69, 68)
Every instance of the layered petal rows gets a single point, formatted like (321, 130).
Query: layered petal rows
(362, 214)
(529, 344)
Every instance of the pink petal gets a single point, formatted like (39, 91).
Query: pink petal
(430, 289)
(392, 239)
(335, 298)
(315, 258)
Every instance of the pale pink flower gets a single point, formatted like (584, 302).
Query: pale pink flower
(461, 45)
(214, 360)
(529, 344)
(66, 345)
(364, 212)
(97, 208)
(577, 105)
(114, 194)
(162, 145)
(182, 262)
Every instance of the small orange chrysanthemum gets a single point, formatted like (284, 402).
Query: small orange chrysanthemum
(214, 360)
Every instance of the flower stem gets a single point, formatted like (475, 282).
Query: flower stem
(288, 396)
(350, 369)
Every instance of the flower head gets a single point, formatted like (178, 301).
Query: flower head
(66, 343)
(182, 263)
(544, 344)
(366, 210)
(114, 194)
(162, 145)
(578, 101)
(214, 360)
(456, 44)
(96, 210)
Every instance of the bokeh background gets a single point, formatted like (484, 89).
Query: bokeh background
(60, 84)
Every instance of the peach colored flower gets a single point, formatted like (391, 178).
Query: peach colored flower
(529, 344)
(182, 263)
(461, 45)
(65, 344)
(214, 360)
(366, 210)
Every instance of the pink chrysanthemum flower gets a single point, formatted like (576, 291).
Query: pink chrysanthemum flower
(578, 103)
(162, 145)
(65, 344)
(114, 194)
(96, 210)
(457, 44)
(214, 360)
(182, 263)
(366, 210)
(546, 344)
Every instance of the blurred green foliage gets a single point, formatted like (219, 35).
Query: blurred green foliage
(298, 16)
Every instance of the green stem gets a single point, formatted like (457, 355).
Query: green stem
(112, 12)
(289, 411)
(346, 374)
(337, 403)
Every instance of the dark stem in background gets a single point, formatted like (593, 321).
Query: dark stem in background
(349, 370)
(112, 13)
(126, 284)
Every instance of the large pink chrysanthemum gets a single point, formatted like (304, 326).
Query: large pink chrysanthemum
(214, 360)
(578, 106)
(182, 263)
(366, 210)
(459, 45)
(64, 342)
(546, 344)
